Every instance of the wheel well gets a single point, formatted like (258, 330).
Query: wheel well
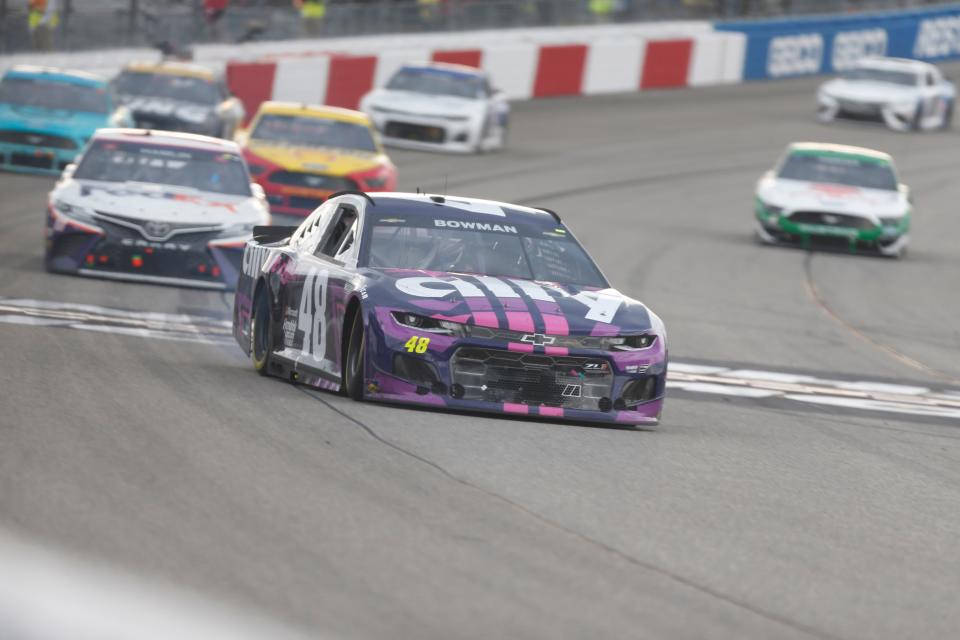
(352, 314)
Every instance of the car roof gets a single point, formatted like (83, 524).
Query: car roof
(447, 66)
(172, 68)
(894, 64)
(314, 111)
(452, 207)
(826, 147)
(168, 138)
(55, 74)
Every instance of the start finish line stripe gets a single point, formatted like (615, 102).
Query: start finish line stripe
(686, 377)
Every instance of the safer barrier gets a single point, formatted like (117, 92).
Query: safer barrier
(574, 62)
(828, 44)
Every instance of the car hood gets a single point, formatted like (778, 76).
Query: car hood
(188, 112)
(509, 303)
(335, 162)
(799, 195)
(865, 91)
(422, 104)
(62, 122)
(160, 203)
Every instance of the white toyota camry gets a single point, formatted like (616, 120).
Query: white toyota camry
(159, 207)
(903, 94)
(440, 106)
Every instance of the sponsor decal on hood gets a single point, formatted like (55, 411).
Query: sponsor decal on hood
(516, 304)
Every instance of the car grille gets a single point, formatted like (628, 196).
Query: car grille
(312, 181)
(861, 109)
(569, 342)
(420, 133)
(828, 219)
(496, 375)
(156, 233)
(32, 161)
(36, 139)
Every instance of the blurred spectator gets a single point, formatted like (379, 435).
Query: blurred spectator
(213, 11)
(429, 11)
(42, 19)
(602, 10)
(311, 15)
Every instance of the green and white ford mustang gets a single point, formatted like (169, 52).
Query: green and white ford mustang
(834, 195)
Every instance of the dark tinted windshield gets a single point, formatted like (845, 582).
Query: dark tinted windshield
(437, 82)
(313, 132)
(33, 92)
(165, 85)
(905, 78)
(481, 247)
(839, 169)
(194, 168)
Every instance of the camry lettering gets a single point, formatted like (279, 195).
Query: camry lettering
(173, 246)
(475, 226)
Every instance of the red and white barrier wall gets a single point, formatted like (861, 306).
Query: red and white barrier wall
(559, 63)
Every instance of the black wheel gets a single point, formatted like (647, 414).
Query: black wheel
(948, 117)
(353, 369)
(261, 334)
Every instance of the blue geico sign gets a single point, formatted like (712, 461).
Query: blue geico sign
(785, 48)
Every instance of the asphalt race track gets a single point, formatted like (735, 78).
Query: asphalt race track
(755, 510)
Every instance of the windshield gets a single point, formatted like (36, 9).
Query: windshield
(905, 78)
(545, 253)
(165, 85)
(200, 169)
(437, 82)
(313, 132)
(840, 169)
(36, 92)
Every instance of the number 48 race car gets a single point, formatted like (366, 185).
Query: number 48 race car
(448, 302)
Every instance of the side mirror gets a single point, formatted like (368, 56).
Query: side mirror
(68, 171)
(258, 191)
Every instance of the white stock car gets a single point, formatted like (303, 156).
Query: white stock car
(447, 107)
(158, 207)
(903, 94)
(833, 195)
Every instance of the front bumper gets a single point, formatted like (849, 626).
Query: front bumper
(99, 251)
(29, 159)
(886, 240)
(427, 134)
(896, 117)
(514, 378)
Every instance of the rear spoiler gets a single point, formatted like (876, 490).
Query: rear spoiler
(263, 234)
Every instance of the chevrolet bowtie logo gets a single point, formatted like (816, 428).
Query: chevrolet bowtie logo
(537, 339)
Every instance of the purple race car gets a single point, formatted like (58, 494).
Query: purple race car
(448, 302)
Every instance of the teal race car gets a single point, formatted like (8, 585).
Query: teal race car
(47, 115)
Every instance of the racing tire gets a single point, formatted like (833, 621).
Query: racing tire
(948, 117)
(353, 361)
(917, 117)
(261, 334)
